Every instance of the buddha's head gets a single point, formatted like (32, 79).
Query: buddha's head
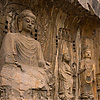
(87, 53)
(26, 21)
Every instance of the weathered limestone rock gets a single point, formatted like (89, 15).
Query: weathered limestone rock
(80, 21)
(92, 5)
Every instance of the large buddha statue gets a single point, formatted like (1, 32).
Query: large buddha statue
(22, 64)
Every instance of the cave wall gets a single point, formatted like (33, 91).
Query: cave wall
(52, 15)
(91, 5)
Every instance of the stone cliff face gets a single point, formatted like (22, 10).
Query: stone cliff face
(94, 5)
(80, 18)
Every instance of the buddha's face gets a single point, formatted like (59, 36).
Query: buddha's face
(87, 54)
(28, 24)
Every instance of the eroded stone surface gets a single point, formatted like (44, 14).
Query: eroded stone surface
(77, 23)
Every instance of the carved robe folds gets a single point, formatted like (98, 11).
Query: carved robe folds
(65, 74)
(22, 63)
(87, 76)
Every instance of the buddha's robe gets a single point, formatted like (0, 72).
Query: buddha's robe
(26, 52)
(65, 78)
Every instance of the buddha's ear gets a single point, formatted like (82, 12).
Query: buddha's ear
(34, 31)
(19, 25)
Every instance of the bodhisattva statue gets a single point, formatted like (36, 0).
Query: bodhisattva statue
(87, 75)
(65, 72)
(23, 69)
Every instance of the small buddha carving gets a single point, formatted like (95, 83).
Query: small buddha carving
(87, 74)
